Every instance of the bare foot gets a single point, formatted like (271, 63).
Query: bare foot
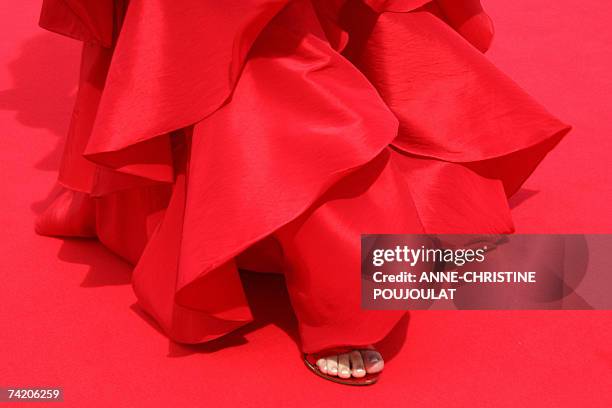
(357, 363)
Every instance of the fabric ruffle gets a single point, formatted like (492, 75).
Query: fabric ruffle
(211, 128)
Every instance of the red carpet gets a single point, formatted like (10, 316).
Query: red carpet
(67, 309)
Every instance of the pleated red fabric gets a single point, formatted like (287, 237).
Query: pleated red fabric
(269, 134)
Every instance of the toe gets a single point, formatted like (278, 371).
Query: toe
(344, 366)
(322, 364)
(357, 365)
(373, 361)
(332, 365)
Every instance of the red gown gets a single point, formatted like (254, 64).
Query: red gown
(268, 135)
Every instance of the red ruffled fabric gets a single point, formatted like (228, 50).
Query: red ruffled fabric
(269, 134)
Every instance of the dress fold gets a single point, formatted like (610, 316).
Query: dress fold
(269, 134)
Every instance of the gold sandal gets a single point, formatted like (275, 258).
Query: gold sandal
(311, 362)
